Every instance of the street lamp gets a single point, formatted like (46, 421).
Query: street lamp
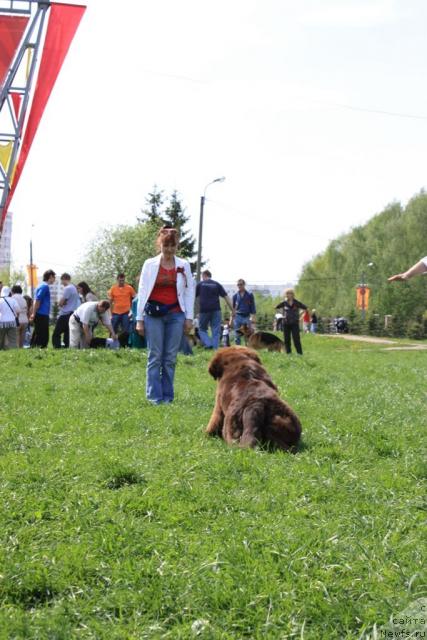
(202, 205)
(363, 291)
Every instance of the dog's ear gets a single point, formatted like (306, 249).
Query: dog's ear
(252, 354)
(216, 367)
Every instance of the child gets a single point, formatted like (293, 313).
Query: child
(226, 334)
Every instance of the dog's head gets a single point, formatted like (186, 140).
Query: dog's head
(228, 357)
(245, 330)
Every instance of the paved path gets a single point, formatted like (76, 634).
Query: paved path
(413, 346)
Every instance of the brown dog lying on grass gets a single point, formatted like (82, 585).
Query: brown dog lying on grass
(261, 339)
(248, 409)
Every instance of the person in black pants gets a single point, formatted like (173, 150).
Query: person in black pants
(68, 303)
(291, 307)
(41, 311)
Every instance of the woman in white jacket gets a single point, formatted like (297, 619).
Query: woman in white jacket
(165, 311)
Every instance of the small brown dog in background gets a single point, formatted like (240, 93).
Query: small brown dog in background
(261, 339)
(248, 409)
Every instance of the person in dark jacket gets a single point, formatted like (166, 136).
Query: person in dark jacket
(291, 315)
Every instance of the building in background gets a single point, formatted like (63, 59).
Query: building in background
(5, 243)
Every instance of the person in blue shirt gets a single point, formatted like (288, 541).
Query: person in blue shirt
(68, 303)
(243, 309)
(208, 292)
(41, 311)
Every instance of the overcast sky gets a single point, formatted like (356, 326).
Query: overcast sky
(315, 112)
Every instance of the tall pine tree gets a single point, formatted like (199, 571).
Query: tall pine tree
(152, 211)
(174, 216)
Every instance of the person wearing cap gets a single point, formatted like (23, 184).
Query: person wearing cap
(41, 311)
(244, 309)
(291, 314)
(9, 312)
(68, 303)
(84, 320)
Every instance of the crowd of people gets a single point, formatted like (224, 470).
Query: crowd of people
(159, 316)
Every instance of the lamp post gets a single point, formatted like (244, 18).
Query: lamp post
(363, 291)
(202, 206)
(31, 264)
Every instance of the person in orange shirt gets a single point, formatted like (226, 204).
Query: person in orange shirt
(121, 296)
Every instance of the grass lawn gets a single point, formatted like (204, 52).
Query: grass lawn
(122, 520)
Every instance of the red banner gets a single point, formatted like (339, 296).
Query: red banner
(11, 31)
(362, 297)
(63, 22)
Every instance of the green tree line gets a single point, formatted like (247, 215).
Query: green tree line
(387, 244)
(124, 248)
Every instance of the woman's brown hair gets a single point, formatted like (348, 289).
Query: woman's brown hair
(167, 235)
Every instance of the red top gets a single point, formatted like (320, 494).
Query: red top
(164, 289)
(306, 316)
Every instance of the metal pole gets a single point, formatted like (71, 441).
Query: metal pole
(31, 269)
(199, 248)
(363, 296)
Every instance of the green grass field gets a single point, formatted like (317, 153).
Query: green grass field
(122, 520)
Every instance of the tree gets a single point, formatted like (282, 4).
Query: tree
(122, 248)
(153, 210)
(389, 242)
(172, 215)
(175, 217)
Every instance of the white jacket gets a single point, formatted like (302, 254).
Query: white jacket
(184, 286)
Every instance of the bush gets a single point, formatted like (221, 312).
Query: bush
(415, 330)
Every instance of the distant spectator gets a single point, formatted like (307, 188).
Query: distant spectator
(313, 326)
(121, 296)
(68, 303)
(209, 292)
(23, 314)
(135, 340)
(306, 321)
(243, 309)
(417, 269)
(28, 332)
(41, 311)
(84, 320)
(9, 312)
(278, 321)
(291, 314)
(85, 292)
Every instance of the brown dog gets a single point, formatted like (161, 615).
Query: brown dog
(248, 409)
(261, 339)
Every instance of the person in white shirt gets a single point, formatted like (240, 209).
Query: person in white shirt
(9, 312)
(417, 269)
(165, 311)
(84, 320)
(23, 314)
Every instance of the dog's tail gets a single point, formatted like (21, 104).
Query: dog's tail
(253, 420)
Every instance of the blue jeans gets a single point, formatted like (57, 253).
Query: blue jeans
(121, 319)
(164, 336)
(212, 318)
(238, 321)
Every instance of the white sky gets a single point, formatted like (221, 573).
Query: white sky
(273, 94)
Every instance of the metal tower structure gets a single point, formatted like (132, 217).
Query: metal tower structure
(15, 90)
